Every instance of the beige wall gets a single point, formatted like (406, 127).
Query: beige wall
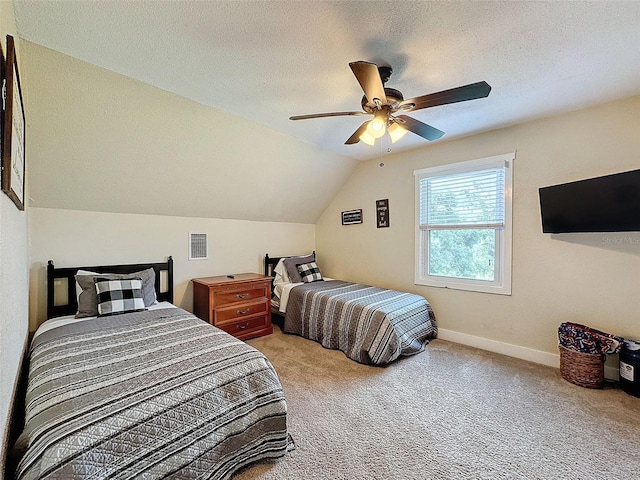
(104, 142)
(14, 270)
(75, 238)
(587, 278)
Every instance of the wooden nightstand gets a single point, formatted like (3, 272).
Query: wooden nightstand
(240, 306)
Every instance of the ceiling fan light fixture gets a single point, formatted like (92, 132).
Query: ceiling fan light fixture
(396, 132)
(378, 125)
(376, 129)
(384, 103)
(368, 139)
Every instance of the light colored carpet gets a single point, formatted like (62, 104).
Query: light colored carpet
(451, 412)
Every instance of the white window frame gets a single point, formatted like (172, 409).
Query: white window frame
(502, 279)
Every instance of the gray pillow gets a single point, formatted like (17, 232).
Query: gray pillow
(291, 266)
(88, 299)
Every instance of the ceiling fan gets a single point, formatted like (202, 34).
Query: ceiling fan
(385, 104)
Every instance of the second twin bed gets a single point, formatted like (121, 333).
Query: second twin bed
(370, 325)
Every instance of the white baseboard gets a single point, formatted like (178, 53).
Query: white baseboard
(524, 353)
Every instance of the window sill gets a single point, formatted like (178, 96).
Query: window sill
(470, 286)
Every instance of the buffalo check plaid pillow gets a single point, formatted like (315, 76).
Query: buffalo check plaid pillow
(309, 272)
(119, 296)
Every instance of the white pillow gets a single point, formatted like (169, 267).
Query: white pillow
(281, 276)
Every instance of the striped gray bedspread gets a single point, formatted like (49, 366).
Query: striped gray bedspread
(370, 325)
(154, 394)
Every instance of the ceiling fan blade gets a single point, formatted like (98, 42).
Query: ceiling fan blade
(331, 114)
(355, 138)
(369, 79)
(418, 127)
(454, 95)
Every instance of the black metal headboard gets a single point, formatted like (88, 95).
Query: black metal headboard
(271, 262)
(68, 273)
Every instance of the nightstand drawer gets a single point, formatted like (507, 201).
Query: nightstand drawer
(239, 327)
(235, 312)
(239, 295)
(239, 304)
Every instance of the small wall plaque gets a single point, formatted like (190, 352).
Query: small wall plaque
(382, 212)
(351, 217)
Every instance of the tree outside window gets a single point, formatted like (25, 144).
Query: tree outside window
(463, 225)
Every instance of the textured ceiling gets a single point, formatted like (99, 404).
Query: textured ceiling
(267, 60)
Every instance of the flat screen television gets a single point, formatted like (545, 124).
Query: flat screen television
(603, 204)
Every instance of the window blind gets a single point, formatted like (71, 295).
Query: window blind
(463, 200)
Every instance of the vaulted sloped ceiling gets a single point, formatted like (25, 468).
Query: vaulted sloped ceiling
(267, 60)
(195, 118)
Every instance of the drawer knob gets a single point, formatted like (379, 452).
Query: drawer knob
(242, 327)
(243, 295)
(243, 312)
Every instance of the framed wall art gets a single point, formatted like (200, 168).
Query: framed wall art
(351, 217)
(13, 135)
(2, 107)
(382, 213)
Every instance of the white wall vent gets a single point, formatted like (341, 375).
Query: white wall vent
(198, 246)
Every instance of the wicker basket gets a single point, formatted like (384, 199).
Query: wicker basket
(584, 369)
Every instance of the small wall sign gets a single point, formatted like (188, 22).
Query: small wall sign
(351, 217)
(382, 212)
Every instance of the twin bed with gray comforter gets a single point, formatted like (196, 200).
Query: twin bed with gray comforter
(371, 325)
(151, 394)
